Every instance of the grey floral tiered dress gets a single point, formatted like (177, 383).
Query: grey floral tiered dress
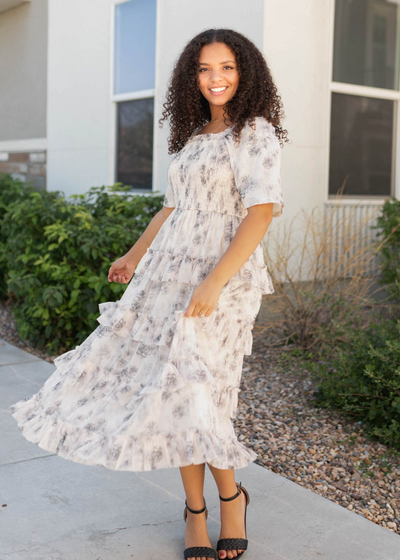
(150, 388)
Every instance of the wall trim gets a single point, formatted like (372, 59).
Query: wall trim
(29, 145)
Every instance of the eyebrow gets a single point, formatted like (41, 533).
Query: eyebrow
(206, 63)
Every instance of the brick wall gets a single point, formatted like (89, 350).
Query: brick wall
(29, 167)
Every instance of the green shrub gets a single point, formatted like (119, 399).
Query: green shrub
(57, 253)
(389, 255)
(361, 376)
(10, 191)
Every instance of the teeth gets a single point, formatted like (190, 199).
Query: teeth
(218, 88)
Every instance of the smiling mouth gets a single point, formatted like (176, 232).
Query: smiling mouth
(218, 90)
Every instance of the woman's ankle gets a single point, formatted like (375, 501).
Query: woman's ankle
(228, 492)
(196, 504)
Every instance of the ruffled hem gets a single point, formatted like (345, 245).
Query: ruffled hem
(160, 266)
(121, 452)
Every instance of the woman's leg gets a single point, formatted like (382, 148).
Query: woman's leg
(196, 525)
(232, 512)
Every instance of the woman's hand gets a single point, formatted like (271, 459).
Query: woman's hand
(204, 299)
(122, 270)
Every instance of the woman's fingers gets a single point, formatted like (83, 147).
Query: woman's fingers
(195, 309)
(119, 275)
(115, 275)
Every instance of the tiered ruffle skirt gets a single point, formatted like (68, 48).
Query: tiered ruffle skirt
(150, 388)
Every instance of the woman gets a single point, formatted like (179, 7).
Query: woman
(156, 384)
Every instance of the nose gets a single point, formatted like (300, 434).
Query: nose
(215, 76)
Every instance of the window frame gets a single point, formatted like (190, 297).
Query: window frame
(129, 96)
(360, 91)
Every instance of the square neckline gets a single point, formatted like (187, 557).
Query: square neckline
(212, 133)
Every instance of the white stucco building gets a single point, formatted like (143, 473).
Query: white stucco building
(82, 84)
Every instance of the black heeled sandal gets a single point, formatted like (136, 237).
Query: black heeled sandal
(235, 544)
(198, 551)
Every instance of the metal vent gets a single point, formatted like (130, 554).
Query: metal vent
(351, 238)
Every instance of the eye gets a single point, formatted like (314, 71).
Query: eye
(230, 68)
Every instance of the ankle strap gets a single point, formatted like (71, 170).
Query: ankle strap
(239, 486)
(194, 510)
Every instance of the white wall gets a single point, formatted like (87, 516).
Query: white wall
(80, 111)
(297, 38)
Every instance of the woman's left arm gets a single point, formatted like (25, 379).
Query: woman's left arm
(248, 236)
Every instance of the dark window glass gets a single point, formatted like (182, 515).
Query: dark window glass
(135, 45)
(366, 43)
(361, 145)
(135, 143)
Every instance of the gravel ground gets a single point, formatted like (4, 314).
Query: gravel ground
(319, 449)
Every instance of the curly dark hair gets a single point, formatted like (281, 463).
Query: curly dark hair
(256, 94)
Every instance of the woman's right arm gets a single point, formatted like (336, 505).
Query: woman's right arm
(123, 268)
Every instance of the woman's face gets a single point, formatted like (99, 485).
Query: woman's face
(217, 69)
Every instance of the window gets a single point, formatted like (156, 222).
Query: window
(133, 91)
(364, 97)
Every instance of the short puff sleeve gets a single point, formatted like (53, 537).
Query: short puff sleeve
(169, 199)
(256, 164)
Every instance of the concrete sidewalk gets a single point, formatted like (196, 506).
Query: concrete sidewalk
(54, 509)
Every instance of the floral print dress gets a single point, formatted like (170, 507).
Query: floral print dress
(150, 388)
